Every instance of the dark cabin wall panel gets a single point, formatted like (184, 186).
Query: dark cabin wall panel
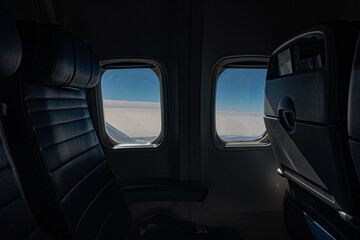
(257, 27)
(135, 29)
(124, 28)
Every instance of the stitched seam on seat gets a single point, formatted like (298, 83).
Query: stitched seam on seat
(59, 110)
(60, 123)
(72, 159)
(92, 201)
(83, 98)
(106, 219)
(82, 179)
(10, 201)
(91, 69)
(77, 136)
(48, 110)
(75, 66)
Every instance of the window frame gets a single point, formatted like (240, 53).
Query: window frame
(127, 63)
(235, 62)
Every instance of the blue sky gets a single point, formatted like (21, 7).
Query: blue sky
(241, 90)
(139, 84)
(238, 89)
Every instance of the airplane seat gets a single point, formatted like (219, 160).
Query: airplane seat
(305, 115)
(16, 220)
(354, 110)
(65, 173)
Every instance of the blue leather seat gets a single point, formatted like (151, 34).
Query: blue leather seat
(64, 172)
(16, 220)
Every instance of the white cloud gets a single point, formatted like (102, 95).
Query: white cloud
(239, 124)
(143, 119)
(134, 122)
(130, 104)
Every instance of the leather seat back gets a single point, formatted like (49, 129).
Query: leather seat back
(354, 110)
(16, 220)
(305, 112)
(66, 178)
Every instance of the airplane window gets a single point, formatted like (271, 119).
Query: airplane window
(239, 104)
(132, 107)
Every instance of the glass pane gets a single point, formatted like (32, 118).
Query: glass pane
(240, 104)
(131, 100)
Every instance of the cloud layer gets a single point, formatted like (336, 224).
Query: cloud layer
(143, 119)
(240, 124)
(130, 104)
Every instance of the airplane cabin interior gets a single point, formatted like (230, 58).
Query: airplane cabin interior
(183, 119)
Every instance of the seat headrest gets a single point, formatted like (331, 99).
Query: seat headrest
(56, 57)
(10, 46)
